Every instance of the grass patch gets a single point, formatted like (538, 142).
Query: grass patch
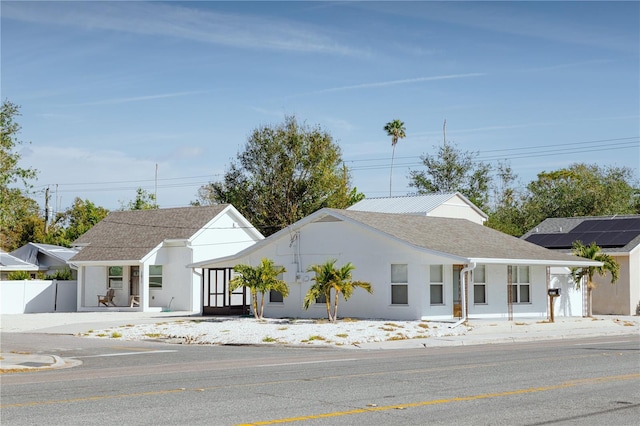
(316, 338)
(90, 331)
(268, 339)
(101, 335)
(520, 323)
(349, 320)
(153, 335)
(387, 328)
(423, 325)
(398, 336)
(420, 336)
(390, 324)
(628, 324)
(283, 328)
(343, 335)
(116, 335)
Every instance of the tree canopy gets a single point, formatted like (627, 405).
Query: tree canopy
(16, 208)
(578, 190)
(144, 200)
(285, 173)
(451, 170)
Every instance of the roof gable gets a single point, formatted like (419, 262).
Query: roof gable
(411, 204)
(131, 235)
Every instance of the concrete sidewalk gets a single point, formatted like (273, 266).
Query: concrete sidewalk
(484, 331)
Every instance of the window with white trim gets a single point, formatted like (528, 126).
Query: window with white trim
(155, 276)
(115, 277)
(399, 284)
(479, 285)
(436, 284)
(520, 289)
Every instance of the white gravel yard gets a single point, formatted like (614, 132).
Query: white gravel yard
(249, 331)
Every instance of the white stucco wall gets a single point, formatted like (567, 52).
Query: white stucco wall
(570, 301)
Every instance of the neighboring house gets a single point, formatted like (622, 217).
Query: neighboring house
(10, 263)
(142, 255)
(420, 267)
(49, 258)
(618, 236)
(452, 205)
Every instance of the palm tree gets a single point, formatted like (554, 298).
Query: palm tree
(329, 278)
(593, 252)
(259, 279)
(396, 130)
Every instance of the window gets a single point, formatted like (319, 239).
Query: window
(321, 299)
(520, 287)
(155, 276)
(115, 277)
(436, 287)
(399, 292)
(276, 296)
(479, 285)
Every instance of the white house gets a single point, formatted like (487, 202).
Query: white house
(617, 236)
(420, 267)
(142, 255)
(453, 205)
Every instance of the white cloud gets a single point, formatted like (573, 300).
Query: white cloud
(180, 21)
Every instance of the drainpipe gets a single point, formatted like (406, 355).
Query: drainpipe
(463, 292)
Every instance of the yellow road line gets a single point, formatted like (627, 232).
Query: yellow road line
(446, 401)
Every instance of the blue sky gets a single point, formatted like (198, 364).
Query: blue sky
(109, 90)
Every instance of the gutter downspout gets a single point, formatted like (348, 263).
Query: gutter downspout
(463, 291)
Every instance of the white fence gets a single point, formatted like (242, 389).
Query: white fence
(31, 296)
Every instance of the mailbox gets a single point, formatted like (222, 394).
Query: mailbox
(553, 292)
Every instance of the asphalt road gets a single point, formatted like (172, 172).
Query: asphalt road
(570, 382)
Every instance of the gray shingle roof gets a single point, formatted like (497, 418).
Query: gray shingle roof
(458, 237)
(131, 235)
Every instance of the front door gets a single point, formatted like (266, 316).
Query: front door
(134, 286)
(457, 294)
(217, 299)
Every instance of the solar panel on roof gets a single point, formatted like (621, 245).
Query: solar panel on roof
(625, 224)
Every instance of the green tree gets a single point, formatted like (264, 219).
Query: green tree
(70, 224)
(330, 282)
(396, 130)
(259, 279)
(579, 190)
(593, 252)
(452, 170)
(285, 173)
(144, 200)
(15, 205)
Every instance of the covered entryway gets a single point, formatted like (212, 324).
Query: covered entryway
(217, 299)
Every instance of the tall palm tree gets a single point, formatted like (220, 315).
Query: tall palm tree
(593, 252)
(259, 279)
(328, 278)
(396, 130)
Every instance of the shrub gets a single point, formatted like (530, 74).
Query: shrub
(18, 276)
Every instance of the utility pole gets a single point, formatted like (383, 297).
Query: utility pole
(46, 209)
